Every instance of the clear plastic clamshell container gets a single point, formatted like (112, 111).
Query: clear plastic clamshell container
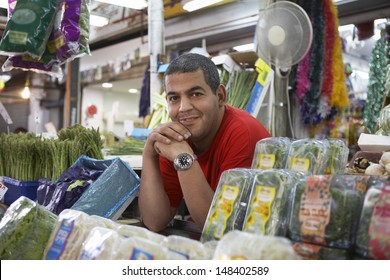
(339, 152)
(269, 202)
(227, 210)
(271, 153)
(326, 211)
(309, 155)
(373, 240)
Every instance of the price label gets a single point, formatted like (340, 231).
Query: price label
(3, 190)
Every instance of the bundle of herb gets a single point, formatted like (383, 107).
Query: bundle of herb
(241, 88)
(271, 152)
(339, 156)
(309, 155)
(228, 207)
(268, 206)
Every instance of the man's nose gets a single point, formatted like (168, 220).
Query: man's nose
(185, 104)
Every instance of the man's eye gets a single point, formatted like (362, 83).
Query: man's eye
(172, 98)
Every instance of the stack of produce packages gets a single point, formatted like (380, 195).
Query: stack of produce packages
(296, 202)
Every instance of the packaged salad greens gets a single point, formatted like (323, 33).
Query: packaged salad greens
(239, 245)
(309, 155)
(132, 231)
(25, 230)
(268, 205)
(325, 211)
(338, 156)
(271, 153)
(227, 210)
(373, 240)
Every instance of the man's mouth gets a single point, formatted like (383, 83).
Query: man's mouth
(187, 120)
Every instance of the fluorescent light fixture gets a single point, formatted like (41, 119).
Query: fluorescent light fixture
(133, 90)
(107, 85)
(132, 4)
(98, 21)
(244, 48)
(4, 4)
(192, 5)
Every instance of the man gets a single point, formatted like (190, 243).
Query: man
(185, 158)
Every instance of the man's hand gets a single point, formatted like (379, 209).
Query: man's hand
(166, 134)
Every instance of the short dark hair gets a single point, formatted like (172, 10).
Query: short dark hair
(192, 62)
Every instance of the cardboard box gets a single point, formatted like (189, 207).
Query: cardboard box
(374, 143)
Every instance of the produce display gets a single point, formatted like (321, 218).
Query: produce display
(228, 207)
(268, 206)
(271, 152)
(25, 230)
(189, 248)
(239, 245)
(372, 236)
(325, 211)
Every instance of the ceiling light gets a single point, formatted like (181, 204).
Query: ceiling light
(4, 4)
(98, 21)
(244, 48)
(133, 90)
(132, 4)
(107, 85)
(192, 5)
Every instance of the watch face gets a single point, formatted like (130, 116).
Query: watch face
(183, 161)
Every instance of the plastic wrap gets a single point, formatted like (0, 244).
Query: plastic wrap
(373, 232)
(71, 229)
(134, 231)
(309, 155)
(101, 244)
(136, 248)
(112, 192)
(317, 252)
(189, 248)
(238, 245)
(227, 210)
(339, 156)
(268, 206)
(326, 210)
(271, 153)
(25, 230)
(384, 120)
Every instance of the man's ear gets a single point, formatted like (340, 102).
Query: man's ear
(221, 94)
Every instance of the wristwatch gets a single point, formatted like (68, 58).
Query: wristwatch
(184, 161)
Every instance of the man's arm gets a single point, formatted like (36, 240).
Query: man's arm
(153, 201)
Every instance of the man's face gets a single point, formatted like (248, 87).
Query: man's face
(192, 103)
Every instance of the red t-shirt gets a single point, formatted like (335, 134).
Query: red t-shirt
(233, 147)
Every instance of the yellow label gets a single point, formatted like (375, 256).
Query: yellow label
(260, 209)
(300, 164)
(223, 209)
(265, 161)
(263, 69)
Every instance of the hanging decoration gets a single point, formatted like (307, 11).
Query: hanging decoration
(320, 81)
(376, 85)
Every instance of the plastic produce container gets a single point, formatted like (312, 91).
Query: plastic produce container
(17, 188)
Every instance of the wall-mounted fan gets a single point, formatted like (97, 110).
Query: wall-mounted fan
(283, 37)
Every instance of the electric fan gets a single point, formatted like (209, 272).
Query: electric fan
(283, 37)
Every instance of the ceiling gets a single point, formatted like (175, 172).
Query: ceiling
(126, 24)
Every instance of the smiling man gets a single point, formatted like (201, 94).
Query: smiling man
(184, 158)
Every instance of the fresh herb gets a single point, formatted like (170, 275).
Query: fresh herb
(275, 149)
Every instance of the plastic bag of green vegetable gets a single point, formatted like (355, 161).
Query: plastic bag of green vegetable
(373, 232)
(271, 152)
(269, 202)
(228, 207)
(325, 211)
(25, 230)
(317, 252)
(309, 155)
